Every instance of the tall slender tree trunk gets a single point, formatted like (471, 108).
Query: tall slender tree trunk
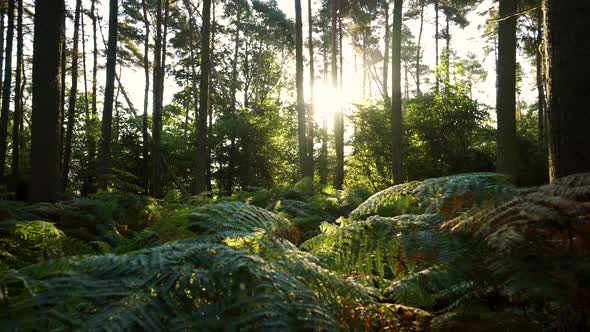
(87, 179)
(18, 96)
(62, 96)
(144, 125)
(324, 151)
(202, 148)
(2, 28)
(506, 94)
(209, 97)
(161, 77)
(567, 68)
(107, 114)
(92, 160)
(71, 101)
(7, 88)
(386, 56)
(542, 121)
(448, 50)
(338, 134)
(396, 96)
(301, 117)
(310, 115)
(47, 48)
(436, 35)
(229, 181)
(157, 104)
(419, 49)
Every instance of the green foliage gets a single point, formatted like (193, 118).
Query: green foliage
(445, 133)
(444, 244)
(447, 196)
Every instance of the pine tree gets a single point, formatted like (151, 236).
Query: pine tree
(567, 69)
(202, 158)
(107, 114)
(396, 95)
(506, 94)
(47, 48)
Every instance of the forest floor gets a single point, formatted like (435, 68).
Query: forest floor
(468, 252)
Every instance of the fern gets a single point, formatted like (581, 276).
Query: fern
(447, 196)
(380, 246)
(538, 242)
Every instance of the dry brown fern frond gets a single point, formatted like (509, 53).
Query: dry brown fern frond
(556, 217)
(539, 243)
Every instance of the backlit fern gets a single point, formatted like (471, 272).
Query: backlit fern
(539, 242)
(447, 196)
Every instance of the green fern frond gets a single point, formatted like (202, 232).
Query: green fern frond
(234, 219)
(178, 286)
(446, 196)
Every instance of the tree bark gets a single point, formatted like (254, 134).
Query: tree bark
(324, 150)
(2, 28)
(47, 48)
(448, 50)
(567, 68)
(338, 134)
(229, 181)
(436, 33)
(92, 160)
(301, 117)
(144, 125)
(506, 94)
(107, 114)
(419, 49)
(396, 96)
(157, 104)
(202, 148)
(386, 56)
(18, 109)
(542, 116)
(87, 179)
(71, 101)
(7, 89)
(310, 115)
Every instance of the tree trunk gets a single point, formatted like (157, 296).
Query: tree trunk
(202, 148)
(7, 88)
(310, 115)
(448, 51)
(338, 132)
(419, 49)
(107, 114)
(92, 160)
(436, 33)
(506, 95)
(144, 125)
(396, 96)
(542, 121)
(2, 27)
(18, 96)
(301, 117)
(71, 101)
(229, 181)
(386, 56)
(87, 179)
(62, 94)
(47, 48)
(324, 151)
(157, 104)
(209, 96)
(567, 69)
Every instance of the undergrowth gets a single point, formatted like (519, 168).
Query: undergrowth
(292, 258)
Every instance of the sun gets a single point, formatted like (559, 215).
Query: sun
(327, 101)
